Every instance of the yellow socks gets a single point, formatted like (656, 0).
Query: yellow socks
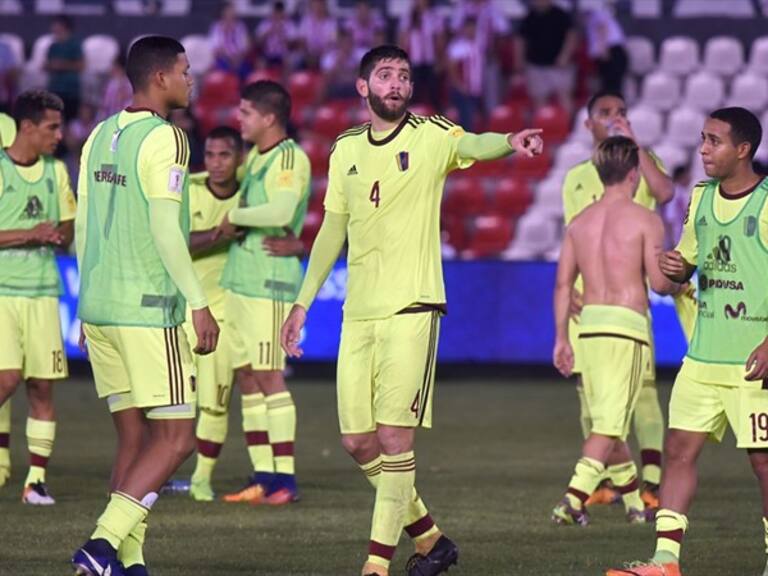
(211, 433)
(281, 415)
(624, 478)
(255, 425)
(586, 477)
(670, 529)
(131, 550)
(119, 519)
(5, 442)
(393, 494)
(40, 437)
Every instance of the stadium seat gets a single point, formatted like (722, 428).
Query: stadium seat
(646, 8)
(661, 91)
(453, 231)
(535, 167)
(199, 53)
(317, 196)
(465, 197)
(723, 55)
(580, 132)
(304, 88)
(750, 91)
(16, 44)
(641, 55)
(572, 153)
(758, 56)
(704, 91)
(264, 74)
(510, 196)
(647, 125)
(679, 55)
(709, 8)
(100, 52)
(39, 52)
(311, 227)
(671, 156)
(491, 235)
(536, 234)
(549, 195)
(554, 121)
(506, 118)
(330, 120)
(220, 89)
(422, 109)
(318, 151)
(684, 127)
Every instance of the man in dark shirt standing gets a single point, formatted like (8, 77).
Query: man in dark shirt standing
(543, 50)
(64, 64)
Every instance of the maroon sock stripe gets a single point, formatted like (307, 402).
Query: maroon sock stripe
(579, 494)
(396, 467)
(650, 457)
(169, 366)
(627, 488)
(5, 440)
(374, 471)
(381, 550)
(282, 449)
(208, 449)
(257, 438)
(37, 460)
(421, 526)
(674, 535)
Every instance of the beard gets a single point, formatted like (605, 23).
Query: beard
(380, 108)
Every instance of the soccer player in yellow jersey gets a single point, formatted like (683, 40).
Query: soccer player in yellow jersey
(136, 279)
(607, 115)
(212, 195)
(723, 377)
(260, 287)
(385, 184)
(37, 209)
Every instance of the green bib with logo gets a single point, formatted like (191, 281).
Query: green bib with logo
(28, 270)
(733, 299)
(123, 281)
(250, 270)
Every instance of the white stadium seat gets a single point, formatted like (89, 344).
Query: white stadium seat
(758, 56)
(642, 57)
(679, 55)
(646, 124)
(199, 53)
(100, 51)
(646, 8)
(16, 44)
(536, 234)
(660, 91)
(704, 8)
(750, 91)
(671, 156)
(684, 127)
(724, 55)
(572, 153)
(580, 132)
(704, 91)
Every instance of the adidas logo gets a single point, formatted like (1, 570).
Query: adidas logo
(9, 189)
(579, 187)
(352, 171)
(702, 221)
(198, 214)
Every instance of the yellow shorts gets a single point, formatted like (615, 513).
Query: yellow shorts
(30, 337)
(255, 325)
(386, 372)
(143, 367)
(615, 355)
(709, 408)
(214, 372)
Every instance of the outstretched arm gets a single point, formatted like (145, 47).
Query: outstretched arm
(493, 145)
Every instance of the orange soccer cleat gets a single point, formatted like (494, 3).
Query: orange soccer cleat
(646, 569)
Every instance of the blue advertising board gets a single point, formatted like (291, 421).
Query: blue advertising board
(499, 312)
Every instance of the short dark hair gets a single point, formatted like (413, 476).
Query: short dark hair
(614, 158)
(31, 105)
(65, 21)
(226, 133)
(376, 55)
(148, 55)
(745, 127)
(603, 94)
(270, 98)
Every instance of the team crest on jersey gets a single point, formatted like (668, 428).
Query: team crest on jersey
(750, 226)
(402, 161)
(34, 208)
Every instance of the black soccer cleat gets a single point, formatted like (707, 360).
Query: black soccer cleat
(443, 555)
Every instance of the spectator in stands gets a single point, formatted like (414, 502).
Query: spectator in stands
(364, 24)
(9, 70)
(544, 49)
(422, 34)
(230, 43)
(275, 35)
(64, 64)
(605, 45)
(340, 68)
(674, 211)
(118, 92)
(317, 32)
(466, 67)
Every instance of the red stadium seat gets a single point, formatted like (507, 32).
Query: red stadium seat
(535, 168)
(210, 116)
(511, 196)
(264, 74)
(454, 231)
(466, 196)
(220, 88)
(492, 234)
(319, 186)
(318, 151)
(488, 169)
(554, 121)
(422, 109)
(304, 88)
(506, 118)
(331, 119)
(312, 224)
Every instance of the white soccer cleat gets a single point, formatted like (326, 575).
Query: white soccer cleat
(37, 495)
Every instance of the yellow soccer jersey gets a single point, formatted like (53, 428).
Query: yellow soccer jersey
(206, 211)
(164, 152)
(582, 187)
(7, 130)
(291, 171)
(391, 185)
(33, 173)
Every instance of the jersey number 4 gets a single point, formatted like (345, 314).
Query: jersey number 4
(375, 196)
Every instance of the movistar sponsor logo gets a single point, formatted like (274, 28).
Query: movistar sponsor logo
(719, 260)
(706, 283)
(739, 312)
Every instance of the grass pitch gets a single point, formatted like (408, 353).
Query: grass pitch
(497, 461)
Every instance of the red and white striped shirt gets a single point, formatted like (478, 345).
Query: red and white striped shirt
(470, 58)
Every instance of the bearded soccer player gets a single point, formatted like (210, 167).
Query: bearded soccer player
(607, 115)
(212, 195)
(136, 279)
(614, 244)
(385, 184)
(722, 379)
(37, 209)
